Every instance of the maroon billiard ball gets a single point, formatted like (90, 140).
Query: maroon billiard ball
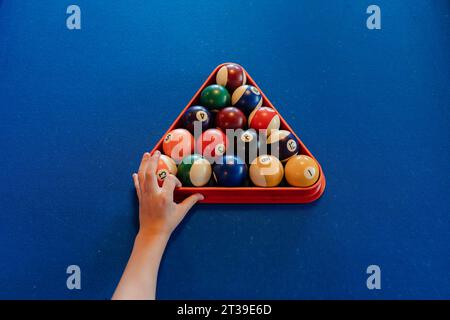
(231, 118)
(231, 76)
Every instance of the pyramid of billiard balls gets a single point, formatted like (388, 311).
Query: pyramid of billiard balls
(229, 138)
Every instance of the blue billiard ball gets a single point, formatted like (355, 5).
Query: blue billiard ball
(247, 98)
(230, 171)
(198, 114)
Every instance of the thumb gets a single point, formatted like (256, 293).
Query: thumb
(188, 203)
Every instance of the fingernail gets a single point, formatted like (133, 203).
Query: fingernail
(157, 153)
(134, 175)
(200, 197)
(146, 154)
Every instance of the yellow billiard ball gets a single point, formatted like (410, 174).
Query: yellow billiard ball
(302, 171)
(266, 171)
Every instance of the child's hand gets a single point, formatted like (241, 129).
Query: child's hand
(158, 213)
(158, 217)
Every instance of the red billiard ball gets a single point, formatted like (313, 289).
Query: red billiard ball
(264, 118)
(231, 118)
(231, 76)
(212, 144)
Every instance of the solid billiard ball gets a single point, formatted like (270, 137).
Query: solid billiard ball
(246, 145)
(215, 97)
(165, 167)
(178, 143)
(230, 171)
(212, 144)
(247, 98)
(196, 115)
(302, 171)
(282, 144)
(230, 118)
(264, 118)
(266, 171)
(194, 171)
(231, 76)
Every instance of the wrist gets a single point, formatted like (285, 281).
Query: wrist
(151, 237)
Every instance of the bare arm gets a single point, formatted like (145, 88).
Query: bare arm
(159, 215)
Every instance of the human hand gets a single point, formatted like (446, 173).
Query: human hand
(158, 213)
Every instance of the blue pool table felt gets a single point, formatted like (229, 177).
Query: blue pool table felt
(78, 108)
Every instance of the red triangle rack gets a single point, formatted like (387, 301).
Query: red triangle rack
(282, 194)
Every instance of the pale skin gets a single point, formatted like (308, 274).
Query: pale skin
(159, 215)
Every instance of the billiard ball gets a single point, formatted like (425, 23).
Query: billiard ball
(246, 145)
(230, 171)
(194, 171)
(264, 118)
(230, 118)
(282, 144)
(165, 167)
(178, 143)
(266, 171)
(231, 76)
(196, 115)
(215, 97)
(212, 144)
(247, 98)
(302, 171)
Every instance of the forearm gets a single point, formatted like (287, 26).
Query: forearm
(140, 276)
(159, 215)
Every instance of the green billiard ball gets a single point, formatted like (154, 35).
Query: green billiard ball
(215, 97)
(194, 171)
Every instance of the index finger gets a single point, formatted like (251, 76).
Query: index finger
(142, 169)
(151, 181)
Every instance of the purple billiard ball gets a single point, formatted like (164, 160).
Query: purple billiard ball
(196, 115)
(283, 144)
(246, 145)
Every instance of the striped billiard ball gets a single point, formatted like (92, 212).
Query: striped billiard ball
(194, 171)
(165, 167)
(282, 144)
(231, 76)
(264, 118)
(266, 171)
(247, 98)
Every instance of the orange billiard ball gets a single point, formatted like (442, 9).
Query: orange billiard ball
(302, 171)
(178, 143)
(166, 166)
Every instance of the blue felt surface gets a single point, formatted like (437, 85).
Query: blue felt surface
(78, 108)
